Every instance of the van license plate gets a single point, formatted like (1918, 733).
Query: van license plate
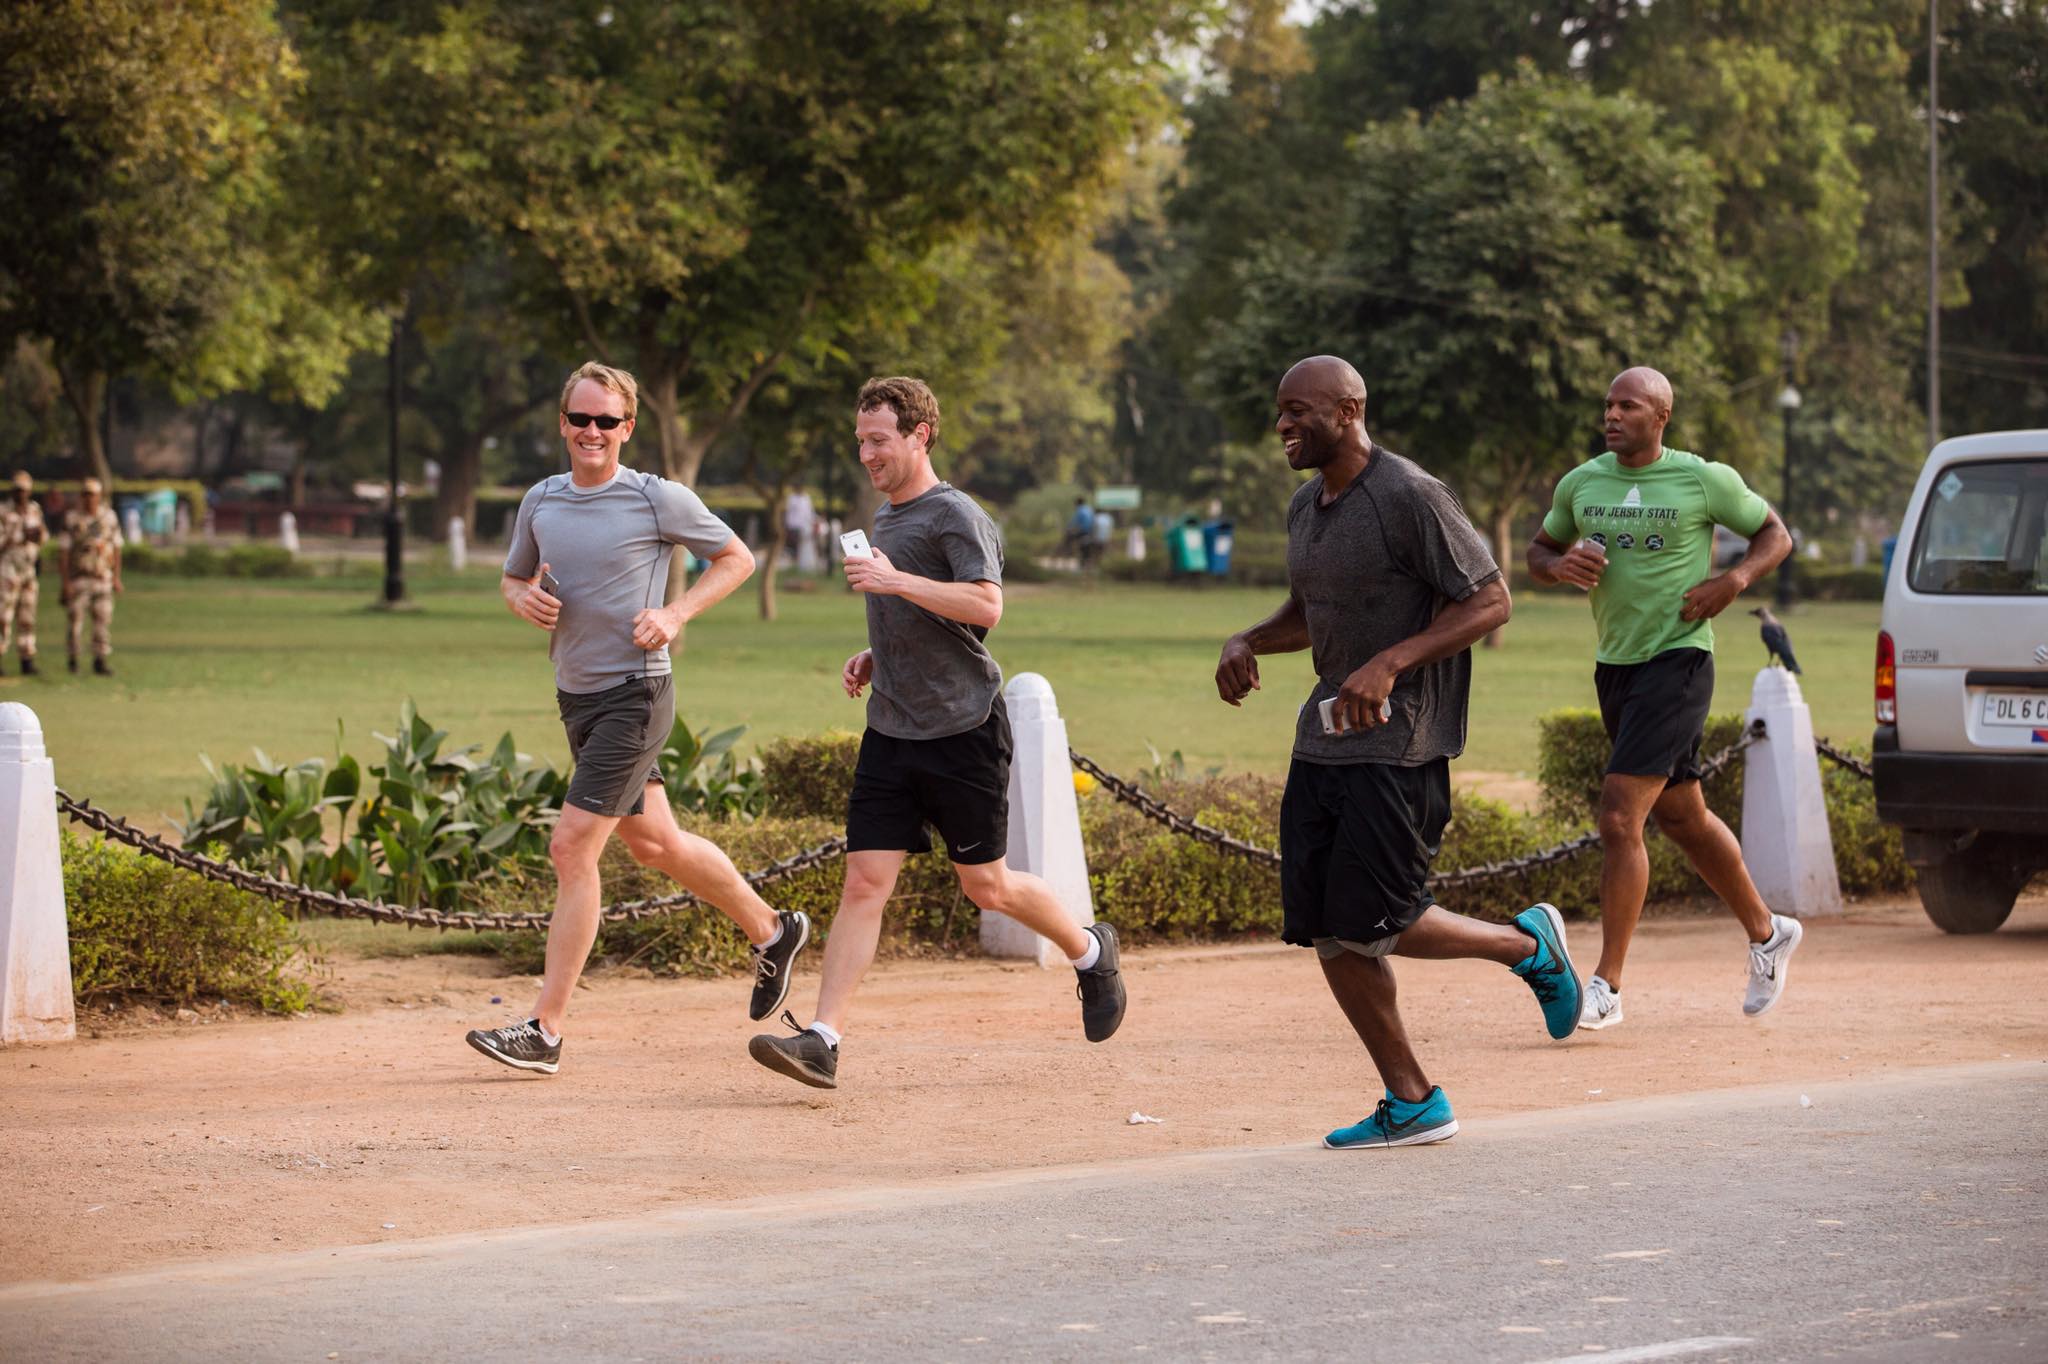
(2022, 708)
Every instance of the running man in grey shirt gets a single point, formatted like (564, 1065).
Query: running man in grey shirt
(937, 747)
(1388, 587)
(589, 563)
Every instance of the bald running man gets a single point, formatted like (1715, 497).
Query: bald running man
(1635, 529)
(1388, 587)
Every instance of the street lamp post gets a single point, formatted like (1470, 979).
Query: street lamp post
(1788, 403)
(394, 514)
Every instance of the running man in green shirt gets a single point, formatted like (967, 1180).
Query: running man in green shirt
(1635, 529)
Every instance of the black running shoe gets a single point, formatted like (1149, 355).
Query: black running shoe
(28, 665)
(519, 1045)
(1101, 989)
(772, 963)
(99, 666)
(807, 1057)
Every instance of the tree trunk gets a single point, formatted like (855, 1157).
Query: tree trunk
(460, 475)
(1503, 554)
(776, 495)
(85, 388)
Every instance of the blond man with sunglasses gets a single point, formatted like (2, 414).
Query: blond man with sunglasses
(589, 564)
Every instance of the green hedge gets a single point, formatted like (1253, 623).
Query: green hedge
(144, 927)
(205, 561)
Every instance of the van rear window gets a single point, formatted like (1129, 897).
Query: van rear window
(1985, 531)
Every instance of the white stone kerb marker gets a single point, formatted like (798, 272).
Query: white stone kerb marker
(1785, 840)
(1045, 820)
(35, 948)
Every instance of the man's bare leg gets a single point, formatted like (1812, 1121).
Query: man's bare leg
(1682, 814)
(1025, 898)
(1625, 802)
(696, 864)
(578, 840)
(1440, 935)
(1364, 988)
(856, 931)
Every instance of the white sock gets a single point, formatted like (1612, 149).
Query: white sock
(773, 938)
(1604, 985)
(1091, 956)
(552, 1039)
(826, 1031)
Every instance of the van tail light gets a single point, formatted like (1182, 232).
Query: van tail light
(1887, 681)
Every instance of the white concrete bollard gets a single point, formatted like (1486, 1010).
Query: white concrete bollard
(1045, 820)
(35, 950)
(458, 544)
(1785, 840)
(1134, 544)
(288, 533)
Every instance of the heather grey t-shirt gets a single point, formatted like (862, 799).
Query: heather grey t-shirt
(933, 676)
(609, 546)
(1370, 570)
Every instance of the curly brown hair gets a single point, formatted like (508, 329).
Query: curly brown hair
(911, 400)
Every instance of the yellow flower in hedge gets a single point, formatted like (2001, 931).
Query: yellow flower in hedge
(1084, 783)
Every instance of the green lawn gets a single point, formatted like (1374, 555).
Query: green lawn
(219, 667)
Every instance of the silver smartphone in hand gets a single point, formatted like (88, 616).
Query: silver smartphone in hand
(854, 545)
(1327, 708)
(550, 584)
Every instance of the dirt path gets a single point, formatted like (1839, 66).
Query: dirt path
(236, 1137)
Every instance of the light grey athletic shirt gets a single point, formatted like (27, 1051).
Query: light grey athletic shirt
(933, 676)
(609, 547)
(1371, 569)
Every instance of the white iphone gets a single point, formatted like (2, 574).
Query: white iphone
(1327, 708)
(854, 545)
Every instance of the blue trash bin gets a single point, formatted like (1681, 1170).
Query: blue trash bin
(1217, 537)
(159, 511)
(1185, 552)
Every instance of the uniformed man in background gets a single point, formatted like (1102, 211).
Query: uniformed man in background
(92, 574)
(21, 542)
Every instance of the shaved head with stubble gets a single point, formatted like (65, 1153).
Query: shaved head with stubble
(1638, 409)
(1321, 413)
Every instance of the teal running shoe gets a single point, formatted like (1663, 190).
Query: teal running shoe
(1548, 969)
(1395, 1123)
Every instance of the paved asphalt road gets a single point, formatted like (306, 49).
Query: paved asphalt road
(1894, 1220)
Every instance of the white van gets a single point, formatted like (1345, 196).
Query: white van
(1961, 749)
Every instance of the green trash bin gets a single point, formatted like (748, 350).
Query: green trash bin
(159, 511)
(1185, 553)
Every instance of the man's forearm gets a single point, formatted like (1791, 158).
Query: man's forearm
(1542, 560)
(1456, 628)
(1767, 549)
(1283, 632)
(720, 578)
(975, 603)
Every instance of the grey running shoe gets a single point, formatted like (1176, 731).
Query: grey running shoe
(1767, 963)
(1101, 988)
(519, 1045)
(1602, 1008)
(772, 963)
(807, 1058)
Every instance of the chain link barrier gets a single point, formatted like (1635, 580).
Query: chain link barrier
(1135, 796)
(353, 907)
(1844, 759)
(627, 911)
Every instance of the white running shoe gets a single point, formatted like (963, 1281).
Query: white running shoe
(1767, 963)
(1602, 1008)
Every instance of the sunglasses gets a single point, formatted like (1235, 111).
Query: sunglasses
(579, 420)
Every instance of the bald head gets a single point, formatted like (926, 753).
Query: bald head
(1329, 377)
(1638, 409)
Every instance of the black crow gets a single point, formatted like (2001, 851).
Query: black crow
(1776, 642)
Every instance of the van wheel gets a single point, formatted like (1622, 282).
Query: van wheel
(1971, 891)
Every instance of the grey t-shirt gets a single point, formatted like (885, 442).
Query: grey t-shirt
(609, 547)
(1371, 569)
(933, 676)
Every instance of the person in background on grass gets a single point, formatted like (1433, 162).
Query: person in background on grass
(1388, 586)
(589, 564)
(92, 575)
(21, 546)
(1635, 529)
(937, 746)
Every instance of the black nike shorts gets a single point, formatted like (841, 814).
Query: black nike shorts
(1655, 712)
(1356, 844)
(959, 785)
(615, 739)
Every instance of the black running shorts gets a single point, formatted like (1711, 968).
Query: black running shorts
(959, 785)
(1356, 844)
(1655, 712)
(615, 739)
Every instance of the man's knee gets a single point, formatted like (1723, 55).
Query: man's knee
(1619, 826)
(987, 884)
(652, 850)
(573, 845)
